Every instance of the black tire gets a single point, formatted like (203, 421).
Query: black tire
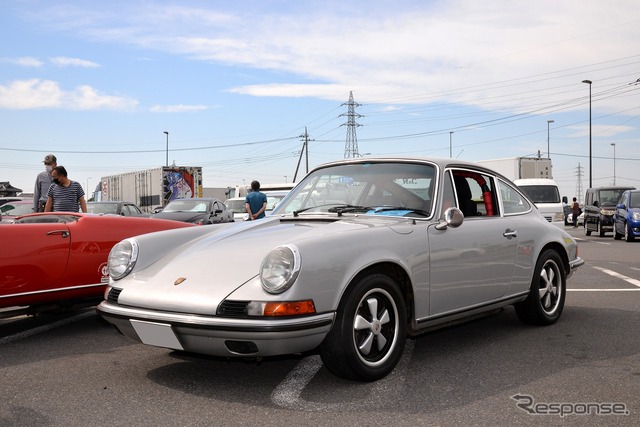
(587, 232)
(600, 232)
(616, 235)
(628, 237)
(369, 334)
(546, 298)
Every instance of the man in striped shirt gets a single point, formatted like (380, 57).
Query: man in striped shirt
(64, 195)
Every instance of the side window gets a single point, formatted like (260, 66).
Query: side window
(475, 193)
(512, 200)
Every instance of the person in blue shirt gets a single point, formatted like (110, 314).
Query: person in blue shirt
(255, 202)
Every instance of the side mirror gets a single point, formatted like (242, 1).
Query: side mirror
(621, 206)
(453, 217)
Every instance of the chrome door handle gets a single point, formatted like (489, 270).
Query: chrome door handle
(510, 233)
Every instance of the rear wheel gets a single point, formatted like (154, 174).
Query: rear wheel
(546, 297)
(600, 231)
(587, 232)
(368, 337)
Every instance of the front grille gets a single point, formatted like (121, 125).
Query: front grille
(113, 295)
(233, 308)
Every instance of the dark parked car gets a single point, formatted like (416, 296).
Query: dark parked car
(599, 207)
(114, 208)
(627, 216)
(199, 211)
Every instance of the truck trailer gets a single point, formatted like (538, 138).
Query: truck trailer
(153, 188)
(520, 167)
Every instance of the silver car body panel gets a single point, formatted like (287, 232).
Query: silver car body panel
(452, 273)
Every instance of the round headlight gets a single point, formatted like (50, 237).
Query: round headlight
(280, 269)
(122, 258)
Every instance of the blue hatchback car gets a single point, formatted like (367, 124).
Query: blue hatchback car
(627, 216)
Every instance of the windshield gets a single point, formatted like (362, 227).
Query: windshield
(542, 193)
(370, 187)
(16, 209)
(236, 205)
(102, 208)
(610, 197)
(186, 206)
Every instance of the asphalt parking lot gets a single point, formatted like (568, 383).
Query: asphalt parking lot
(74, 369)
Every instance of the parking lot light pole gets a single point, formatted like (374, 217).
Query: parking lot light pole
(589, 82)
(614, 162)
(548, 149)
(166, 163)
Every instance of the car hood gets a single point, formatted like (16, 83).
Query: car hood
(181, 216)
(197, 275)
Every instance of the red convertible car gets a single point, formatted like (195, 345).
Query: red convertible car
(58, 260)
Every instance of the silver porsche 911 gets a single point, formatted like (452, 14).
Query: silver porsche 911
(359, 256)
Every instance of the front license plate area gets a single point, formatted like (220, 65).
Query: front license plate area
(156, 334)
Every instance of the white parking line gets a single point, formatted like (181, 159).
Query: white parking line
(287, 393)
(617, 275)
(43, 328)
(604, 290)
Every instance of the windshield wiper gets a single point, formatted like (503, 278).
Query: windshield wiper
(349, 208)
(299, 211)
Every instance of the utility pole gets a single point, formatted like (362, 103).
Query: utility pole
(305, 150)
(579, 184)
(351, 144)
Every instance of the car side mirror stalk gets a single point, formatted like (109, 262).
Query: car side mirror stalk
(453, 217)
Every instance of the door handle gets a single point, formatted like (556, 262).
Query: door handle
(510, 233)
(63, 233)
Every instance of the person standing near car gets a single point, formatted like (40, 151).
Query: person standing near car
(575, 211)
(64, 195)
(43, 182)
(255, 202)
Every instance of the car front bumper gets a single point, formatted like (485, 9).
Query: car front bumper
(218, 336)
(574, 265)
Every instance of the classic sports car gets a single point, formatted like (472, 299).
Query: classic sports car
(58, 260)
(361, 254)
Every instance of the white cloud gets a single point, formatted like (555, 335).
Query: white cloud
(62, 61)
(38, 94)
(177, 108)
(25, 61)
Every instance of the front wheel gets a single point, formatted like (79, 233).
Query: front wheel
(368, 337)
(545, 301)
(587, 232)
(628, 236)
(616, 235)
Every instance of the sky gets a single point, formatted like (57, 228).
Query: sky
(237, 84)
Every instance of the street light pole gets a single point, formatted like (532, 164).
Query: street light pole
(166, 163)
(614, 162)
(450, 146)
(548, 149)
(589, 82)
(90, 178)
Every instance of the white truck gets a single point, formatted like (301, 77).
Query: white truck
(535, 177)
(520, 167)
(153, 188)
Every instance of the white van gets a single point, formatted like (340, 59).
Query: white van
(546, 195)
